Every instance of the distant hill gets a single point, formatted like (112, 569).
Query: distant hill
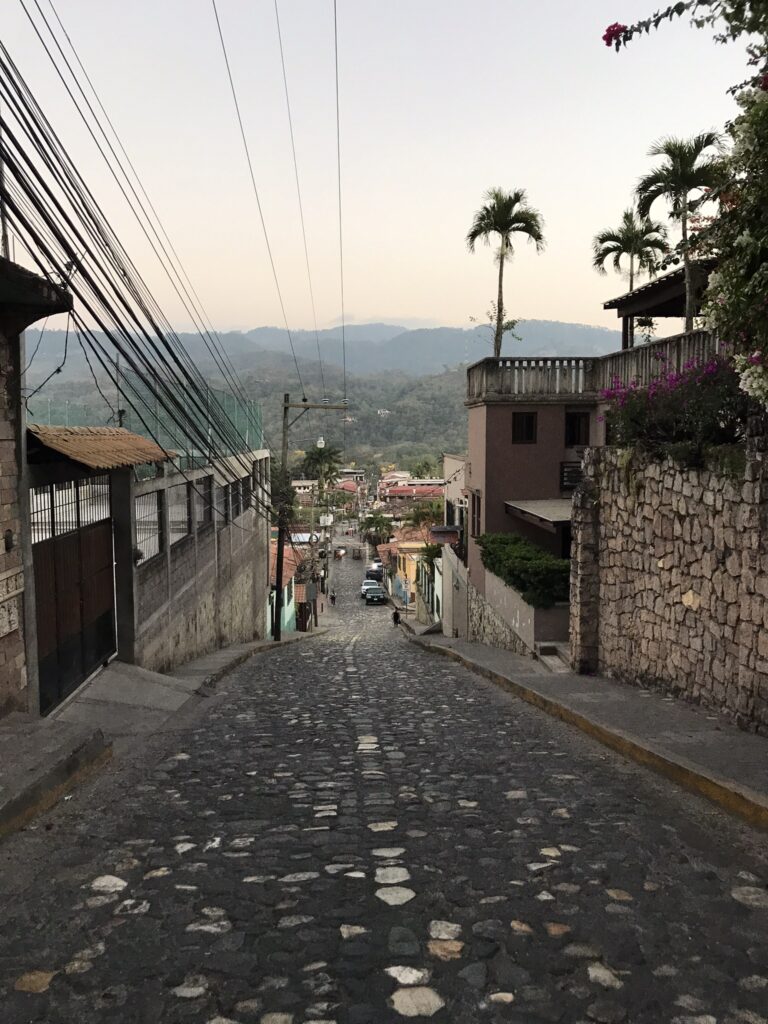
(370, 348)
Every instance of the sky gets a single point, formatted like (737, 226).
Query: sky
(440, 100)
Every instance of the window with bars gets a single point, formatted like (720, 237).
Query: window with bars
(247, 492)
(222, 505)
(179, 512)
(236, 499)
(149, 526)
(204, 503)
(56, 509)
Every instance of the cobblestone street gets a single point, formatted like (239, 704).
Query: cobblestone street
(352, 830)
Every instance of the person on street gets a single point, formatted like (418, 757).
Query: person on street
(333, 598)
(395, 617)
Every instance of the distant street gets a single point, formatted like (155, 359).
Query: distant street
(355, 831)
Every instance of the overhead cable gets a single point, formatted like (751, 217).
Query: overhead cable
(256, 194)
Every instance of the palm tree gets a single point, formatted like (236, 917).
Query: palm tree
(323, 465)
(639, 238)
(685, 170)
(505, 214)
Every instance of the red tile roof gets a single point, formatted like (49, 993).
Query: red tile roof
(291, 563)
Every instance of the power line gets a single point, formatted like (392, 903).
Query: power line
(216, 350)
(338, 168)
(256, 194)
(37, 191)
(298, 194)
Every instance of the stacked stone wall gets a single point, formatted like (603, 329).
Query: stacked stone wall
(669, 584)
(486, 626)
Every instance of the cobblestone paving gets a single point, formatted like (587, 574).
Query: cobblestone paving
(356, 831)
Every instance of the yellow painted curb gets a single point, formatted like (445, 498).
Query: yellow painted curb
(739, 801)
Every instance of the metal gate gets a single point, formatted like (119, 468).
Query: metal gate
(74, 583)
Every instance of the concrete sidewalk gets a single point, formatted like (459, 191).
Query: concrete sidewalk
(125, 701)
(701, 751)
(42, 758)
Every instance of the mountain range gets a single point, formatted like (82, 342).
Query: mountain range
(370, 348)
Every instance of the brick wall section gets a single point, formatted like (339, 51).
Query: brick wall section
(13, 673)
(669, 582)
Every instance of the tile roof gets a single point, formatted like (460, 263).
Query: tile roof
(291, 563)
(99, 447)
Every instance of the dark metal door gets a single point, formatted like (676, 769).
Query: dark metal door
(74, 588)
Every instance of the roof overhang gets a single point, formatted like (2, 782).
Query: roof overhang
(546, 513)
(663, 296)
(26, 297)
(93, 447)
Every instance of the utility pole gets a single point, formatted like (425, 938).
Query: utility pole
(282, 525)
(4, 249)
(282, 499)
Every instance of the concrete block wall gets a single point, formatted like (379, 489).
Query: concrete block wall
(209, 590)
(669, 584)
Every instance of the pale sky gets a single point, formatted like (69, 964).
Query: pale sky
(440, 99)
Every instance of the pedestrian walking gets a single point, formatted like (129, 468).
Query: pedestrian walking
(333, 598)
(395, 617)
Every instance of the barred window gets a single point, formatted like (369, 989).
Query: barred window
(204, 502)
(222, 505)
(149, 526)
(247, 491)
(179, 517)
(236, 499)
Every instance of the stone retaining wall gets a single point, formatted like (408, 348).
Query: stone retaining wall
(669, 579)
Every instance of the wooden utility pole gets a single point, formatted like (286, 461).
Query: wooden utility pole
(282, 504)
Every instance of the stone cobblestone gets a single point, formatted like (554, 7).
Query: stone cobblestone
(355, 832)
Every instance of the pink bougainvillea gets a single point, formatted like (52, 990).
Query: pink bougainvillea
(614, 33)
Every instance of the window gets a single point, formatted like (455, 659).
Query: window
(245, 484)
(204, 503)
(236, 499)
(179, 512)
(149, 526)
(222, 505)
(477, 513)
(524, 428)
(576, 429)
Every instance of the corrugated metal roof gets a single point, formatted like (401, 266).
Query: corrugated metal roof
(99, 447)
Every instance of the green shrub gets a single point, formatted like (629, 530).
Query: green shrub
(540, 578)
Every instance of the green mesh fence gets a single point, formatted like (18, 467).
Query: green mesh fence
(215, 413)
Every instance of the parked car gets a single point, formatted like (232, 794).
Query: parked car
(375, 574)
(376, 595)
(368, 585)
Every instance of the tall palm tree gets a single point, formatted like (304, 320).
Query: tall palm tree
(323, 465)
(640, 239)
(686, 170)
(505, 214)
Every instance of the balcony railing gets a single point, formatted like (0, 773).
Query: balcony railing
(521, 379)
(645, 362)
